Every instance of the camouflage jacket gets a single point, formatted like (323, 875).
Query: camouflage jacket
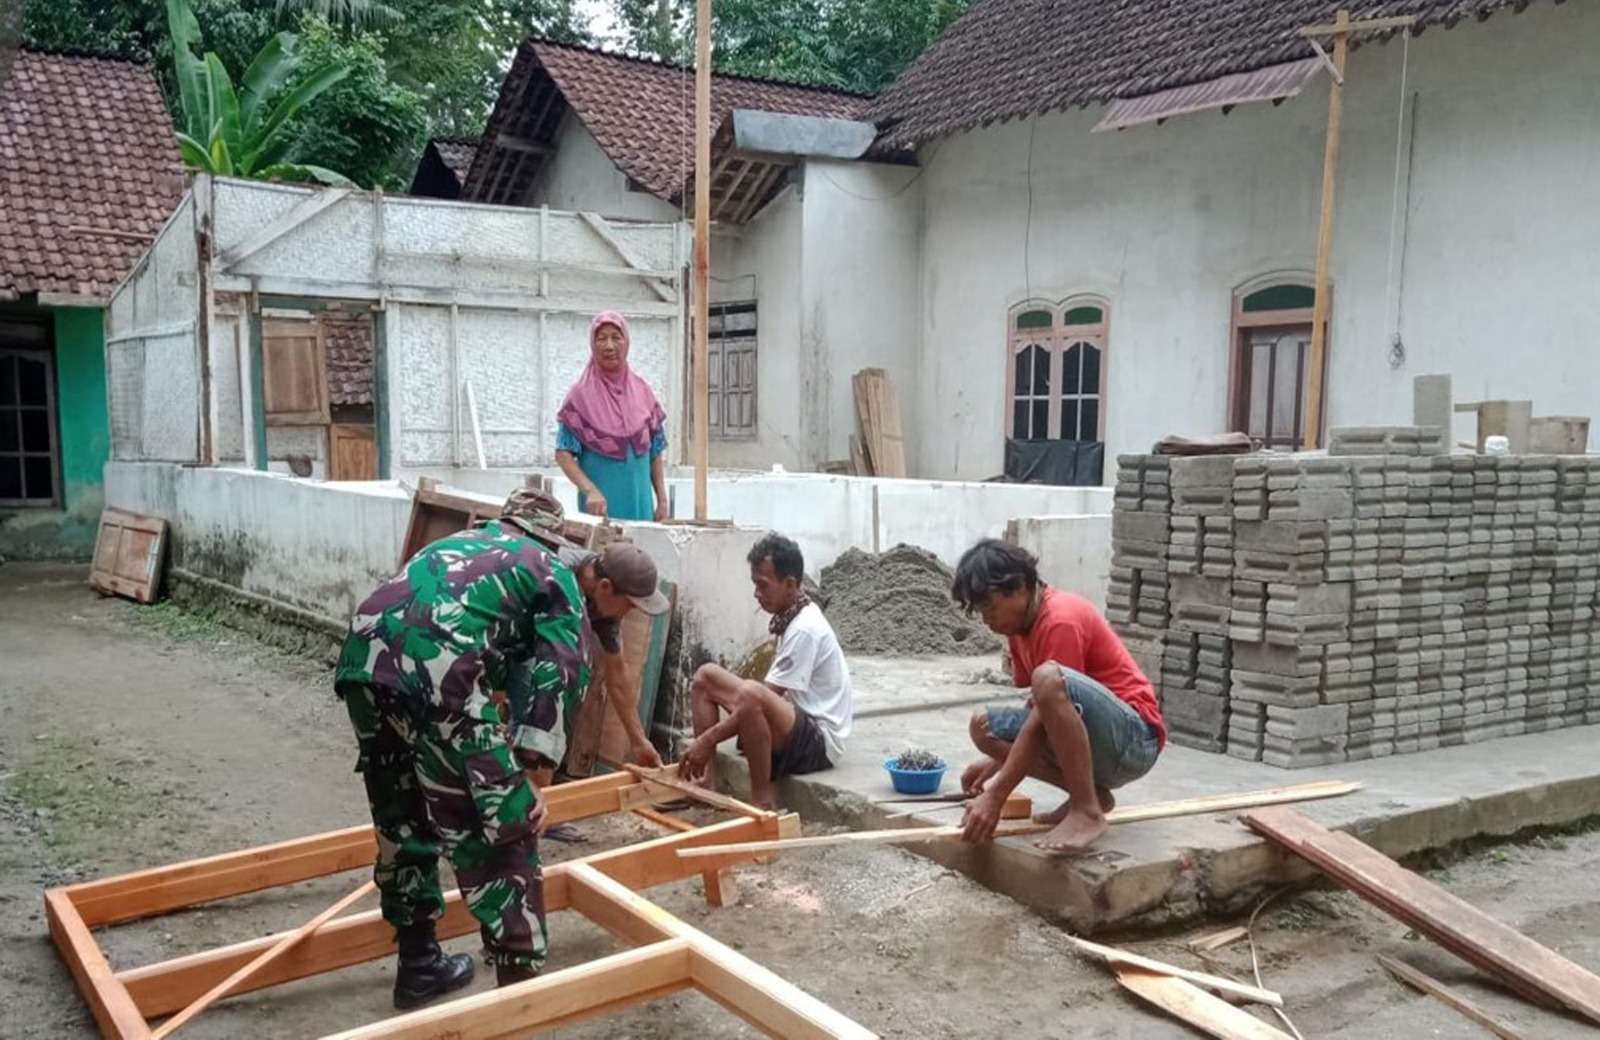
(462, 611)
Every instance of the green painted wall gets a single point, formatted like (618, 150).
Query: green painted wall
(84, 428)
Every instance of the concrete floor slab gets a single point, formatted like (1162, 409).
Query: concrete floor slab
(1157, 872)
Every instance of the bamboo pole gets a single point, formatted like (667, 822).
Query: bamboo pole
(702, 253)
(1330, 170)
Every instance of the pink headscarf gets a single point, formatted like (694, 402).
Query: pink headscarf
(609, 412)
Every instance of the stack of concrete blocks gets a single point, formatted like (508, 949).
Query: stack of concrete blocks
(1369, 605)
(1196, 659)
(1137, 600)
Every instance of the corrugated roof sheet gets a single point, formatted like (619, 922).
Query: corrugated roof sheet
(1009, 58)
(86, 146)
(1268, 84)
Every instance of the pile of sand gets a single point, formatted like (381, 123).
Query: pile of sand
(899, 603)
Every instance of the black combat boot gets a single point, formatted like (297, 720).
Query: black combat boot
(426, 972)
(510, 974)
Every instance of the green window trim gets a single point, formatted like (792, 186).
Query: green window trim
(1279, 298)
(1035, 319)
(1086, 314)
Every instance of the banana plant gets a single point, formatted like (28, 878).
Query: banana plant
(244, 132)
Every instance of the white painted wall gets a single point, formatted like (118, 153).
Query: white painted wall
(761, 261)
(580, 176)
(862, 292)
(1074, 551)
(1500, 266)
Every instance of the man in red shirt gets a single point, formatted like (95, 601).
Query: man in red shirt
(1090, 723)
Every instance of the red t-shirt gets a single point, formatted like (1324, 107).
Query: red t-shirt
(1070, 631)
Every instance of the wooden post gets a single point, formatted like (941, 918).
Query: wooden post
(1330, 170)
(702, 253)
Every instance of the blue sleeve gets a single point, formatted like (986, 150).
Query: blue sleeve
(567, 441)
(658, 443)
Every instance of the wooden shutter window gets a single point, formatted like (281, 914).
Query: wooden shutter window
(294, 373)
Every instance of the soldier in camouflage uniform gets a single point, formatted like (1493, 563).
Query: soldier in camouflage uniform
(425, 654)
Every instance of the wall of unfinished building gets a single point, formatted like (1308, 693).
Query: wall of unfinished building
(1494, 268)
(493, 299)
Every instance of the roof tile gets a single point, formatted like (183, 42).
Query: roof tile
(85, 143)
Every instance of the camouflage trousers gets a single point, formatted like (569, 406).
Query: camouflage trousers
(449, 784)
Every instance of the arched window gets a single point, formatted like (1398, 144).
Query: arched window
(1269, 391)
(1055, 383)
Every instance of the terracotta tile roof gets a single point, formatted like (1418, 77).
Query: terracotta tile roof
(349, 344)
(640, 111)
(85, 143)
(457, 153)
(1009, 58)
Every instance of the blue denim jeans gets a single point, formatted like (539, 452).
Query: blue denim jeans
(1122, 744)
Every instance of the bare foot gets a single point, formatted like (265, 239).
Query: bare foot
(1075, 833)
(769, 803)
(1108, 802)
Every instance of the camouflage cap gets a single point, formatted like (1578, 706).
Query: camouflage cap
(535, 511)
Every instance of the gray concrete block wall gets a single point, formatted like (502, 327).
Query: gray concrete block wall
(1305, 610)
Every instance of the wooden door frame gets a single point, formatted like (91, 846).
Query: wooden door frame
(1055, 341)
(50, 355)
(1241, 324)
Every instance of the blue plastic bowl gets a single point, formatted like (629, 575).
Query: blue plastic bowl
(915, 781)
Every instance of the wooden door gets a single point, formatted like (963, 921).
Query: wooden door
(353, 452)
(294, 372)
(1273, 376)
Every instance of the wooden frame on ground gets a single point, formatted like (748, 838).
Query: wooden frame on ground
(668, 955)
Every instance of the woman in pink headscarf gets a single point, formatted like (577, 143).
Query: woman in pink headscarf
(613, 434)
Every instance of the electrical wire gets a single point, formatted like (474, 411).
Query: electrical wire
(1397, 350)
(1027, 228)
(1255, 965)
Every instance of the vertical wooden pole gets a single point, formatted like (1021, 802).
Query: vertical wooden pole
(1330, 171)
(702, 252)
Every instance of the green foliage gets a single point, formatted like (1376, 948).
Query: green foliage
(350, 12)
(368, 126)
(215, 135)
(855, 45)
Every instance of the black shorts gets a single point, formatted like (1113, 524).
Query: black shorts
(805, 752)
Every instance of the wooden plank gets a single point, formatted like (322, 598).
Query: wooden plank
(774, 1005)
(162, 988)
(128, 553)
(297, 216)
(1128, 814)
(352, 452)
(113, 1007)
(891, 435)
(1123, 958)
(1217, 940)
(1210, 1015)
(699, 367)
(1528, 967)
(278, 949)
(148, 893)
(545, 1003)
(716, 799)
(294, 372)
(1318, 361)
(858, 458)
(667, 820)
(598, 225)
(1447, 996)
(1365, 25)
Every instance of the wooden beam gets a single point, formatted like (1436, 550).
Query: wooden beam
(1127, 814)
(603, 230)
(1445, 995)
(752, 202)
(1365, 25)
(278, 949)
(162, 988)
(700, 794)
(114, 1008)
(1195, 1006)
(1330, 172)
(771, 1004)
(297, 216)
(1535, 971)
(735, 182)
(1122, 958)
(512, 143)
(558, 999)
(634, 920)
(702, 255)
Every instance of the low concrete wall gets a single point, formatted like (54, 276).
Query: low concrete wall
(1074, 551)
(320, 548)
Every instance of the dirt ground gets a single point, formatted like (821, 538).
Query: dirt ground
(137, 736)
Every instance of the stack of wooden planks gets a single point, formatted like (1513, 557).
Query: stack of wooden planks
(1534, 971)
(881, 449)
